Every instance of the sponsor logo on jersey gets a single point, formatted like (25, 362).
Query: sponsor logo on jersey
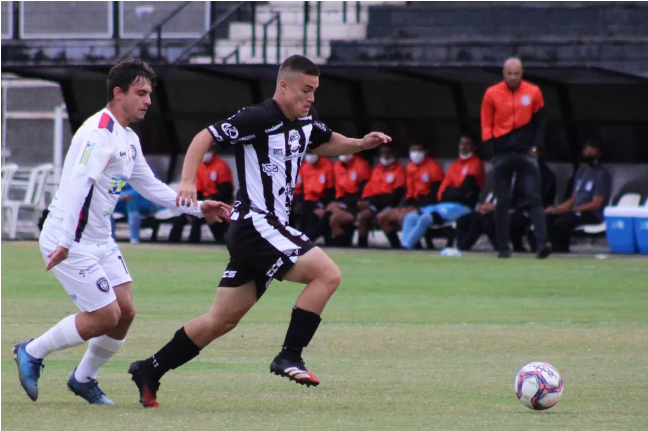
(278, 152)
(273, 128)
(308, 118)
(273, 270)
(270, 168)
(73, 298)
(320, 126)
(229, 274)
(82, 273)
(215, 134)
(122, 154)
(102, 284)
(230, 130)
(243, 139)
(116, 186)
(85, 156)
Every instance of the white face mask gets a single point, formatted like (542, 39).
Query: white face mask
(345, 158)
(386, 161)
(465, 156)
(417, 156)
(208, 158)
(311, 158)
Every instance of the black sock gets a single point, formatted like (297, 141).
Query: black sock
(303, 325)
(393, 239)
(177, 352)
(363, 241)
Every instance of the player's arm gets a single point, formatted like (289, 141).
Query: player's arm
(90, 163)
(238, 129)
(487, 118)
(339, 145)
(143, 180)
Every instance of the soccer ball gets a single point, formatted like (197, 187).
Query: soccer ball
(538, 385)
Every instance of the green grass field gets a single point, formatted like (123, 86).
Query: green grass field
(411, 341)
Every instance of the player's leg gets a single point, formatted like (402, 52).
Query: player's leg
(417, 224)
(503, 168)
(529, 176)
(388, 222)
(365, 220)
(322, 277)
(230, 305)
(339, 219)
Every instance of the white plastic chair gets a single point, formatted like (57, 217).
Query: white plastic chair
(628, 200)
(8, 172)
(32, 202)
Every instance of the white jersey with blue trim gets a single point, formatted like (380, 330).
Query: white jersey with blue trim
(107, 156)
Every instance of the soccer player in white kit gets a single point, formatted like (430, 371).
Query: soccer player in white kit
(76, 242)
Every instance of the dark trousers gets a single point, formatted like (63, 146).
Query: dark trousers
(311, 225)
(217, 229)
(471, 226)
(561, 227)
(525, 167)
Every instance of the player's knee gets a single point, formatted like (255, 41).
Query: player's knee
(127, 314)
(107, 318)
(332, 277)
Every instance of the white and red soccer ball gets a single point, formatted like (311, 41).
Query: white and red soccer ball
(538, 385)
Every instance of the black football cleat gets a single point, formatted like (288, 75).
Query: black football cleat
(147, 386)
(293, 369)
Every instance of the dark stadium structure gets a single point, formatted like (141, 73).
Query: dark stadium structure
(419, 75)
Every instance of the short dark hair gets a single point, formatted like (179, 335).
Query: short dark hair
(470, 137)
(418, 144)
(125, 73)
(594, 143)
(299, 64)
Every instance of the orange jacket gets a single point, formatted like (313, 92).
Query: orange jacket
(211, 174)
(421, 177)
(455, 188)
(348, 176)
(316, 179)
(512, 121)
(385, 179)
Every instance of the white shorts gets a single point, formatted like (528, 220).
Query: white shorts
(90, 272)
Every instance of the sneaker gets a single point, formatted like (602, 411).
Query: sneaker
(294, 369)
(29, 369)
(89, 391)
(544, 252)
(147, 386)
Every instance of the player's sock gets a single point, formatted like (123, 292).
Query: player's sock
(180, 350)
(393, 239)
(100, 350)
(62, 336)
(363, 241)
(303, 325)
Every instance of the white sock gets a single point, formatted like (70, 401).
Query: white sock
(100, 350)
(62, 336)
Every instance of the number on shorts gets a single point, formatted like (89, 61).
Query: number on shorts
(123, 263)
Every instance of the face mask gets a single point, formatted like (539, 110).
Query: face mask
(346, 158)
(208, 158)
(590, 160)
(311, 158)
(465, 156)
(417, 156)
(386, 161)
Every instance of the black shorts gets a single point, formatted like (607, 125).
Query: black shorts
(261, 248)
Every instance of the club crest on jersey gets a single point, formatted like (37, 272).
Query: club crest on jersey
(116, 186)
(230, 130)
(526, 100)
(89, 146)
(322, 178)
(353, 176)
(425, 177)
(389, 178)
(133, 151)
(102, 284)
(464, 171)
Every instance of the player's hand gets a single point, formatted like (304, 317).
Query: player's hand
(215, 211)
(551, 210)
(187, 195)
(374, 139)
(56, 257)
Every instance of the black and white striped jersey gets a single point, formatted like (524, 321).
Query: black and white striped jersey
(269, 150)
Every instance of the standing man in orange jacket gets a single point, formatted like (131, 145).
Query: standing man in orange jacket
(513, 126)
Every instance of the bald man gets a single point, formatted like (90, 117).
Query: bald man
(513, 124)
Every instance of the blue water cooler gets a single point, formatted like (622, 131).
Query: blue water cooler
(641, 229)
(620, 229)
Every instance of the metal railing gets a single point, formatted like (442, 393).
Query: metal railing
(235, 54)
(211, 33)
(157, 29)
(276, 18)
